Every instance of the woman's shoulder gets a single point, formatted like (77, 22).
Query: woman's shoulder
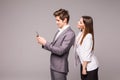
(88, 36)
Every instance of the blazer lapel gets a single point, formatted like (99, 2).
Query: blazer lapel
(61, 34)
(55, 35)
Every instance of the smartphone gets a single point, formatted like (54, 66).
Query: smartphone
(37, 34)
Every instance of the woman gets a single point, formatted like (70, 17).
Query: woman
(84, 49)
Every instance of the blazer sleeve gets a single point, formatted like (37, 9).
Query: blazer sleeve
(86, 48)
(67, 42)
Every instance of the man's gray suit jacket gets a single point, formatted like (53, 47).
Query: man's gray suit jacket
(60, 50)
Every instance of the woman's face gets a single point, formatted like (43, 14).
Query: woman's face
(80, 24)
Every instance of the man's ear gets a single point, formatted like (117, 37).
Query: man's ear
(65, 20)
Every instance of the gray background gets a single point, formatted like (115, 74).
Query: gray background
(22, 58)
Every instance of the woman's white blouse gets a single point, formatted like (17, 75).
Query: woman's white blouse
(84, 51)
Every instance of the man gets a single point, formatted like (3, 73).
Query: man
(60, 46)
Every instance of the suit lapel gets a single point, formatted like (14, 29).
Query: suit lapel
(55, 35)
(61, 34)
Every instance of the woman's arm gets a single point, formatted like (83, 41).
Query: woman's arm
(84, 67)
(86, 52)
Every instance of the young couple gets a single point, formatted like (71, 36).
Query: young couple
(62, 42)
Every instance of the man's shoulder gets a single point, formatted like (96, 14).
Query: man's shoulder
(71, 30)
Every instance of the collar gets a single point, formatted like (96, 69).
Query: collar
(63, 28)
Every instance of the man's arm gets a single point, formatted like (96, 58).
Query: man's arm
(67, 42)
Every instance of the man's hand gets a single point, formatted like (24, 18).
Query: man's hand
(41, 40)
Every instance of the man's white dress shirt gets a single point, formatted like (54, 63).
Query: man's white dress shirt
(61, 30)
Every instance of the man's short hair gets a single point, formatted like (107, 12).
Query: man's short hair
(62, 13)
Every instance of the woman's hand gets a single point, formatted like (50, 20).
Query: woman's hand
(84, 67)
(84, 72)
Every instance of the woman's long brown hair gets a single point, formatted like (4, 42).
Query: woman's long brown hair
(88, 22)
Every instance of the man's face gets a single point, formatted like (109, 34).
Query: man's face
(59, 22)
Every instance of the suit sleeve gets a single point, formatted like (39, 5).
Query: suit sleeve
(66, 44)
